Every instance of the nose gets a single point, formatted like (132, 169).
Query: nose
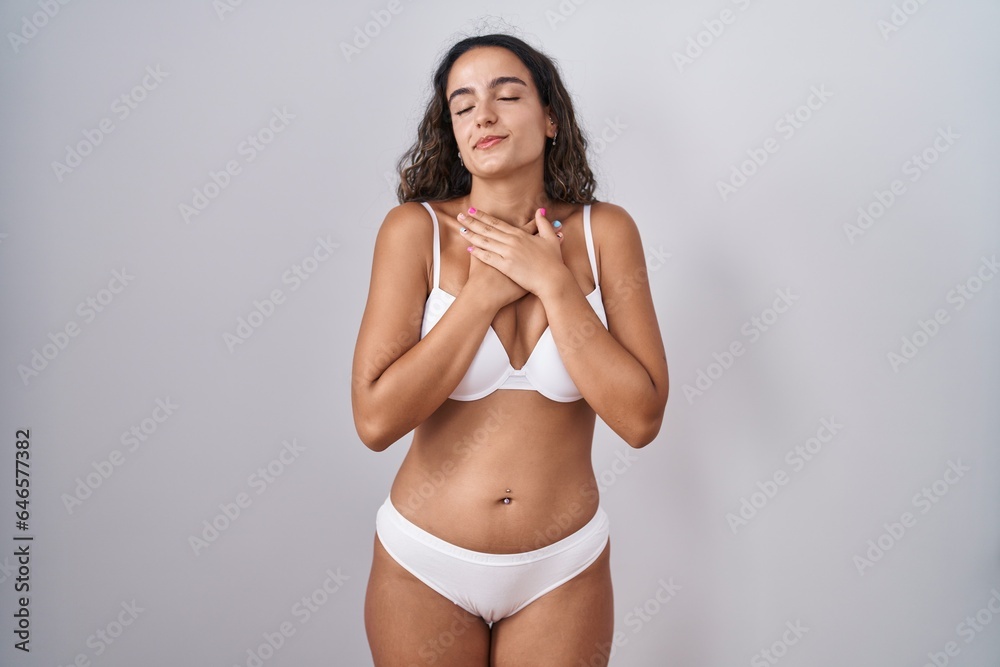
(485, 114)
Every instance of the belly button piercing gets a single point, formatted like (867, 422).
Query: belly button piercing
(506, 501)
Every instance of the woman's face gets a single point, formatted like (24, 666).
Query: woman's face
(490, 93)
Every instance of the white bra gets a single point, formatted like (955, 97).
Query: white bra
(491, 369)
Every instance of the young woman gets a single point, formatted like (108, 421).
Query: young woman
(506, 309)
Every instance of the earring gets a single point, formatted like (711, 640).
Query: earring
(462, 162)
(554, 137)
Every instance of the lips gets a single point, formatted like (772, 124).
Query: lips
(489, 141)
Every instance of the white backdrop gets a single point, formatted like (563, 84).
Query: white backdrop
(190, 196)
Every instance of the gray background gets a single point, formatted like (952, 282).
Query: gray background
(664, 136)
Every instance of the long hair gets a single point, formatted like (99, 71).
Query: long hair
(430, 169)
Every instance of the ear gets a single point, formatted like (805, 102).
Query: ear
(551, 126)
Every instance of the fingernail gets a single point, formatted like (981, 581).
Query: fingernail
(557, 224)
(542, 211)
(472, 211)
(559, 234)
(462, 229)
(469, 248)
(460, 216)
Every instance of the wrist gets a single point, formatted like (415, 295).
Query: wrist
(477, 303)
(558, 285)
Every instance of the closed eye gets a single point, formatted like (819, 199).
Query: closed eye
(502, 99)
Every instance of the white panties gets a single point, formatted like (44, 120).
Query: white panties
(492, 586)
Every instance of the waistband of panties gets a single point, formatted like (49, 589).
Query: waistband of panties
(599, 525)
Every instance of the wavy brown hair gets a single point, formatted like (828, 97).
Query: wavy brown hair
(430, 169)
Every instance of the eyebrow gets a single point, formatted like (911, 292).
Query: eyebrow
(500, 80)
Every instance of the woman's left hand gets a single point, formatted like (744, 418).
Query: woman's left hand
(533, 261)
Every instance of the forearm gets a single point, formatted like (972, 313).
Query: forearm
(613, 381)
(420, 380)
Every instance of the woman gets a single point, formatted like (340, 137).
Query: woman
(486, 324)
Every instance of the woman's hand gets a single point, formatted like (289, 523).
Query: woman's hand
(526, 257)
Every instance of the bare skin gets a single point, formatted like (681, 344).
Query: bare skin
(510, 472)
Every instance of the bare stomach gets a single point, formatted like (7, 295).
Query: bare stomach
(509, 473)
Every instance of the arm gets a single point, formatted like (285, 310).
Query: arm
(397, 379)
(622, 370)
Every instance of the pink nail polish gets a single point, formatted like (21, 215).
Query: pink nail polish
(469, 248)
(542, 211)
(472, 211)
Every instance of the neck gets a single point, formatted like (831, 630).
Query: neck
(513, 199)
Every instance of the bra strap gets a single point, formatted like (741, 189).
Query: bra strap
(437, 246)
(589, 236)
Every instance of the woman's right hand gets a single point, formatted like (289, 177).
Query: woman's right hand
(494, 284)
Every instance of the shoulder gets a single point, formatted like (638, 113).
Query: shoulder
(610, 216)
(403, 243)
(409, 222)
(617, 244)
(612, 227)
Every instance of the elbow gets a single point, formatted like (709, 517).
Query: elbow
(641, 438)
(372, 442)
(370, 430)
(368, 421)
(647, 428)
(640, 433)
(373, 434)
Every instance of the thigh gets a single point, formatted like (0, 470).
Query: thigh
(569, 626)
(409, 624)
